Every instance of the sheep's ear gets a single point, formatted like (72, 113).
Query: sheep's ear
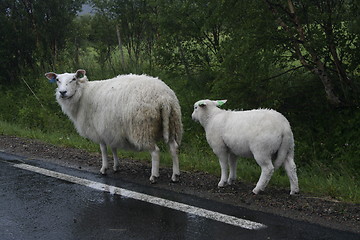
(220, 102)
(202, 104)
(51, 76)
(80, 73)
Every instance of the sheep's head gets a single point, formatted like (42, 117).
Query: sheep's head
(67, 83)
(202, 107)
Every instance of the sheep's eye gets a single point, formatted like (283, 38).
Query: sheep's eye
(73, 79)
(57, 80)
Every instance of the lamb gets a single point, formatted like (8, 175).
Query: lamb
(262, 134)
(129, 112)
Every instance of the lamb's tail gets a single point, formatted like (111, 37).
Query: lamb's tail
(285, 150)
(286, 157)
(171, 121)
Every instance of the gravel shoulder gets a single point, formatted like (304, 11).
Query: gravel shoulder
(323, 211)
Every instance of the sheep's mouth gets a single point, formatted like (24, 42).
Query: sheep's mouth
(65, 97)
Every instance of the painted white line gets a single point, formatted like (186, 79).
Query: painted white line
(147, 198)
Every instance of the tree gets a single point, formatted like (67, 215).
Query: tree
(53, 20)
(132, 26)
(190, 36)
(32, 33)
(78, 38)
(317, 34)
(103, 36)
(17, 40)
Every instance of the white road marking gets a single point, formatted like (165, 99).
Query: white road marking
(201, 212)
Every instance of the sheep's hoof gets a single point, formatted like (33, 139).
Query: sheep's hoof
(231, 181)
(116, 169)
(153, 179)
(222, 184)
(103, 171)
(294, 193)
(175, 178)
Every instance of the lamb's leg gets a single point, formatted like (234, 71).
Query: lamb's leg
(267, 170)
(290, 169)
(174, 155)
(223, 160)
(116, 159)
(155, 162)
(232, 166)
(105, 163)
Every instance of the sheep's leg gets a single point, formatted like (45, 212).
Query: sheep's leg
(105, 163)
(116, 159)
(155, 162)
(267, 170)
(223, 160)
(174, 155)
(290, 169)
(232, 166)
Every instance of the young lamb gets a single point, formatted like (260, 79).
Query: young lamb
(129, 112)
(261, 134)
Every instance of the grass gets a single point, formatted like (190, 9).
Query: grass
(56, 138)
(314, 180)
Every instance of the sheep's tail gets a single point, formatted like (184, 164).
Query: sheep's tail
(165, 111)
(171, 121)
(286, 149)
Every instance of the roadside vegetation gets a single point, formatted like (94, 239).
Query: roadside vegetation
(299, 58)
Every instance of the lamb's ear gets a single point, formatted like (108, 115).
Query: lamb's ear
(220, 102)
(51, 76)
(80, 73)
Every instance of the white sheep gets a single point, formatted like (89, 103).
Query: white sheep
(262, 134)
(128, 112)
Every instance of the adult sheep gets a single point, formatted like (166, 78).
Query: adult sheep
(129, 112)
(261, 134)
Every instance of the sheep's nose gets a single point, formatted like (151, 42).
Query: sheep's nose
(63, 93)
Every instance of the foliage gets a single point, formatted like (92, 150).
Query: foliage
(32, 34)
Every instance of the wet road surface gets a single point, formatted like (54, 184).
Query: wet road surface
(39, 200)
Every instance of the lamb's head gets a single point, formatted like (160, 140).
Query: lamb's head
(203, 107)
(67, 83)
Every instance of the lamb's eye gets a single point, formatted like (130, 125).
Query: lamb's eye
(73, 79)
(57, 80)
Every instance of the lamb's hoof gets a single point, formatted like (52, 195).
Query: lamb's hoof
(153, 179)
(116, 169)
(175, 178)
(256, 191)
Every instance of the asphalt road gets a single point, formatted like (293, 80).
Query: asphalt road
(39, 200)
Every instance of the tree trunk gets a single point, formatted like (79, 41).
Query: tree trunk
(120, 47)
(77, 50)
(327, 83)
